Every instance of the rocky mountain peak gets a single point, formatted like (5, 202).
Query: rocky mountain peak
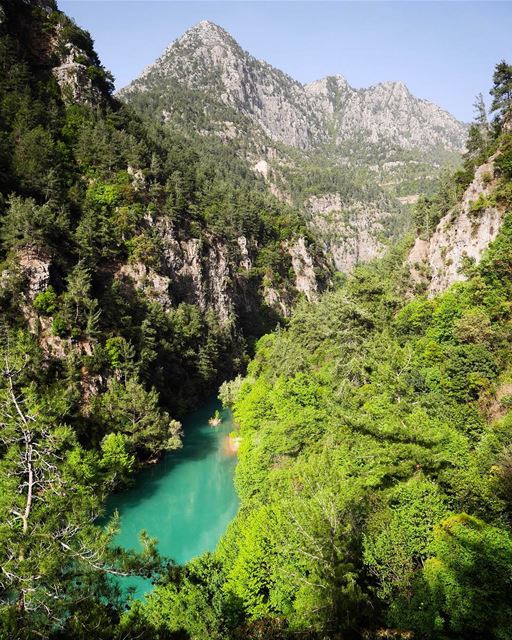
(395, 91)
(208, 27)
(206, 33)
(395, 86)
(208, 59)
(327, 86)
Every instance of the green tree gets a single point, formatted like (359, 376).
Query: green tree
(129, 409)
(27, 224)
(399, 536)
(115, 460)
(479, 134)
(54, 558)
(465, 590)
(502, 90)
(188, 600)
(80, 312)
(121, 354)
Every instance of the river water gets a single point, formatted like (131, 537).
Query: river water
(187, 500)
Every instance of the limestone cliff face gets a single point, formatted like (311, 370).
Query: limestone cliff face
(216, 277)
(200, 272)
(204, 272)
(384, 113)
(34, 265)
(304, 270)
(73, 79)
(465, 232)
(350, 232)
(292, 134)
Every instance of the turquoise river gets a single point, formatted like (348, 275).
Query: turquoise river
(187, 500)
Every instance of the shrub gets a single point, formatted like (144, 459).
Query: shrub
(45, 302)
(59, 327)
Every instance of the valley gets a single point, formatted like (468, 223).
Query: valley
(187, 500)
(333, 264)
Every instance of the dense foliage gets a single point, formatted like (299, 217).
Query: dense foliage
(97, 363)
(374, 470)
(376, 460)
(87, 188)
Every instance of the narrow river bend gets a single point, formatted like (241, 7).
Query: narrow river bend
(187, 500)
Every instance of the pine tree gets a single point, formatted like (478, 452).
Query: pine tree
(502, 90)
(479, 132)
(53, 557)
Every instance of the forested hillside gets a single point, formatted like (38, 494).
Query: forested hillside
(105, 230)
(135, 276)
(142, 266)
(350, 161)
(374, 469)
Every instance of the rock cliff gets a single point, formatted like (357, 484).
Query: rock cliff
(462, 235)
(350, 232)
(216, 276)
(308, 143)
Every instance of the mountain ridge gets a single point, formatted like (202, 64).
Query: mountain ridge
(368, 150)
(257, 89)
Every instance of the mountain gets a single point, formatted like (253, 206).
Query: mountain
(351, 159)
(139, 264)
(327, 112)
(144, 228)
(375, 431)
(136, 273)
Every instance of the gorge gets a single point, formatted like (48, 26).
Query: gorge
(334, 263)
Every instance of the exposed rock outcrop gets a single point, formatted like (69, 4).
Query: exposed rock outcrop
(464, 233)
(245, 262)
(200, 272)
(74, 81)
(34, 265)
(212, 275)
(303, 267)
(351, 233)
(146, 280)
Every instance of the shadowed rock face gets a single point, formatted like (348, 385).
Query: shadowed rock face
(208, 59)
(205, 273)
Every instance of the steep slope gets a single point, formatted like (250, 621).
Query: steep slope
(384, 114)
(375, 456)
(462, 235)
(323, 142)
(207, 59)
(135, 274)
(147, 232)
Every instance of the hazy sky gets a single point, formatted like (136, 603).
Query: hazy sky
(443, 51)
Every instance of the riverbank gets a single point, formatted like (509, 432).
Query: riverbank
(232, 444)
